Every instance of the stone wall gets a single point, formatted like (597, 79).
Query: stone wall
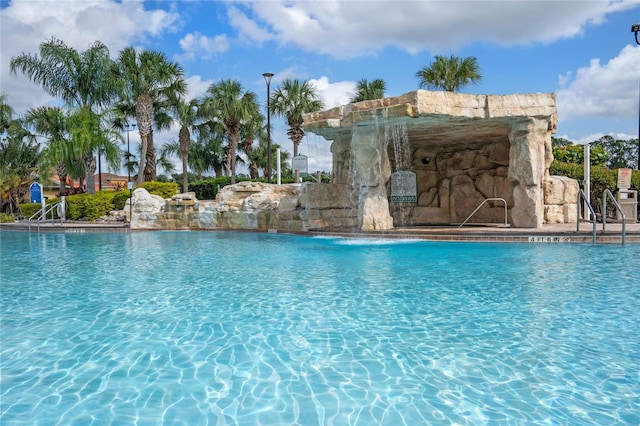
(249, 205)
(560, 199)
(455, 181)
(462, 148)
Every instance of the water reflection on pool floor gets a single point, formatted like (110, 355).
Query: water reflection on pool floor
(227, 328)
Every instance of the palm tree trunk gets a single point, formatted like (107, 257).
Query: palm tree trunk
(296, 134)
(227, 165)
(144, 117)
(90, 168)
(185, 178)
(150, 169)
(234, 148)
(253, 170)
(184, 137)
(61, 171)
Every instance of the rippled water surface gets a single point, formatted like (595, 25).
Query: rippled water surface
(211, 328)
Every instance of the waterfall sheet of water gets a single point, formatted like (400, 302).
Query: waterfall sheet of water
(401, 161)
(396, 134)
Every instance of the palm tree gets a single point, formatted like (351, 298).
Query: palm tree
(366, 91)
(449, 74)
(207, 153)
(252, 128)
(228, 103)
(53, 123)
(149, 79)
(6, 114)
(88, 132)
(19, 155)
(292, 100)
(81, 79)
(258, 157)
(187, 115)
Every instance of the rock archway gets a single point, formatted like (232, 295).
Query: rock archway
(462, 148)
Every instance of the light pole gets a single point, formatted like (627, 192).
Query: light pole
(129, 127)
(636, 29)
(267, 78)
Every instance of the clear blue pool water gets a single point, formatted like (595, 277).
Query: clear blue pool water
(208, 328)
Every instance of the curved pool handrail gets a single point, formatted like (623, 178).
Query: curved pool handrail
(482, 203)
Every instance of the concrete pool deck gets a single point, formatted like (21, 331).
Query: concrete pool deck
(549, 233)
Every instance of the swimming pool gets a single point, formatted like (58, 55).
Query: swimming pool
(239, 328)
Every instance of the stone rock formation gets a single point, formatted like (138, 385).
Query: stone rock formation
(444, 153)
(560, 199)
(462, 148)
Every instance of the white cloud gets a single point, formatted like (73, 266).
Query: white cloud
(334, 94)
(602, 90)
(316, 147)
(345, 29)
(248, 29)
(24, 24)
(196, 86)
(595, 136)
(196, 45)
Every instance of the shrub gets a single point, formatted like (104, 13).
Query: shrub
(83, 206)
(163, 189)
(75, 206)
(208, 189)
(6, 218)
(119, 199)
(98, 205)
(29, 209)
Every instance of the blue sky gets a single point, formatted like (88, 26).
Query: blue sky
(584, 51)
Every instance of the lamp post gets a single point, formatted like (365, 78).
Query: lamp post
(129, 127)
(267, 78)
(636, 29)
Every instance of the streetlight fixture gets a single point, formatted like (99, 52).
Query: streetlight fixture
(267, 78)
(129, 127)
(636, 29)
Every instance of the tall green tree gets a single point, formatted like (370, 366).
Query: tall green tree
(560, 142)
(81, 79)
(90, 132)
(19, 156)
(208, 153)
(368, 91)
(291, 100)
(6, 113)
(620, 153)
(52, 123)
(449, 73)
(149, 80)
(187, 115)
(228, 103)
(258, 156)
(251, 129)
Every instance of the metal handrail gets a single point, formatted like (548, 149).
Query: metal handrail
(482, 203)
(604, 212)
(581, 195)
(44, 216)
